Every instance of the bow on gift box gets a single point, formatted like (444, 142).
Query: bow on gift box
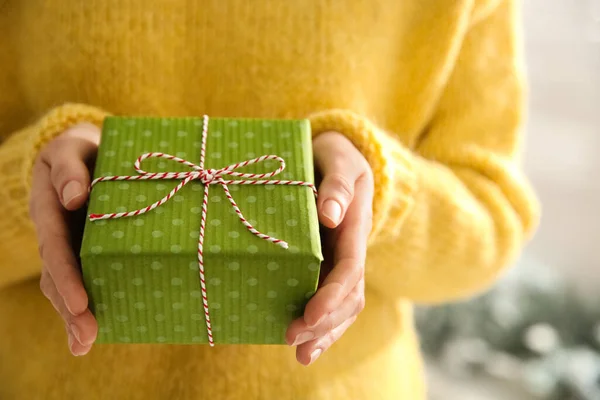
(207, 177)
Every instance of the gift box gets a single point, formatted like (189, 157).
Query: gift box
(147, 278)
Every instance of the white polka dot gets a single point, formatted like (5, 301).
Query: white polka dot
(137, 281)
(199, 122)
(104, 329)
(271, 294)
(251, 306)
(163, 143)
(270, 318)
(162, 165)
(215, 222)
(249, 135)
(270, 187)
(215, 248)
(158, 210)
(289, 197)
(234, 318)
(161, 339)
(293, 249)
(121, 209)
(217, 133)
(292, 282)
(107, 173)
(178, 198)
(215, 281)
(96, 249)
(128, 143)
(179, 328)
(234, 234)
(250, 329)
(166, 122)
(177, 306)
(250, 154)
(267, 145)
(139, 305)
(157, 234)
(136, 248)
(233, 145)
(196, 317)
(117, 266)
(159, 317)
(251, 199)
(176, 281)
(196, 339)
(234, 266)
(234, 294)
(182, 133)
(98, 281)
(156, 265)
(233, 123)
(291, 222)
(160, 186)
(313, 267)
(119, 295)
(139, 221)
(286, 154)
(140, 198)
(197, 187)
(196, 294)
(118, 234)
(234, 188)
(252, 222)
(177, 222)
(147, 133)
(285, 134)
(110, 153)
(252, 249)
(291, 307)
(252, 281)
(158, 294)
(181, 154)
(141, 329)
(126, 164)
(101, 307)
(196, 210)
(113, 132)
(216, 306)
(215, 199)
(272, 266)
(131, 122)
(122, 318)
(215, 154)
(197, 144)
(308, 295)
(194, 234)
(193, 265)
(234, 339)
(266, 124)
(271, 210)
(216, 328)
(103, 197)
(124, 339)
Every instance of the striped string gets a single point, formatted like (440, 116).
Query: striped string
(207, 177)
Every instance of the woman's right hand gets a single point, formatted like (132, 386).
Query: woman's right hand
(61, 179)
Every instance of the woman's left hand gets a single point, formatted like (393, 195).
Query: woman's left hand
(345, 207)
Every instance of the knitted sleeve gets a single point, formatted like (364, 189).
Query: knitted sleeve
(17, 155)
(452, 212)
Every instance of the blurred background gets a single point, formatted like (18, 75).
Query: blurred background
(536, 335)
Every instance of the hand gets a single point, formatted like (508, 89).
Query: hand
(344, 206)
(60, 185)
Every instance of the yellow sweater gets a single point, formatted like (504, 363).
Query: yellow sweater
(430, 91)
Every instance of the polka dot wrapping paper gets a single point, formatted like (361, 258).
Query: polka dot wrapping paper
(142, 274)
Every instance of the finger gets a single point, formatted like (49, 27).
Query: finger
(298, 331)
(349, 256)
(67, 158)
(81, 329)
(308, 353)
(54, 242)
(340, 164)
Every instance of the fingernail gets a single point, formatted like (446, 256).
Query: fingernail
(317, 322)
(72, 190)
(303, 338)
(314, 355)
(332, 210)
(75, 331)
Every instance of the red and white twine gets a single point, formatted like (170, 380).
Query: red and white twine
(207, 177)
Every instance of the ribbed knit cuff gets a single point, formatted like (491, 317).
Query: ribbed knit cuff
(395, 180)
(57, 121)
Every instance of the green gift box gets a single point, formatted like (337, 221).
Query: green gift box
(142, 272)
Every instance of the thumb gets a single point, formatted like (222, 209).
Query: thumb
(67, 157)
(340, 164)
